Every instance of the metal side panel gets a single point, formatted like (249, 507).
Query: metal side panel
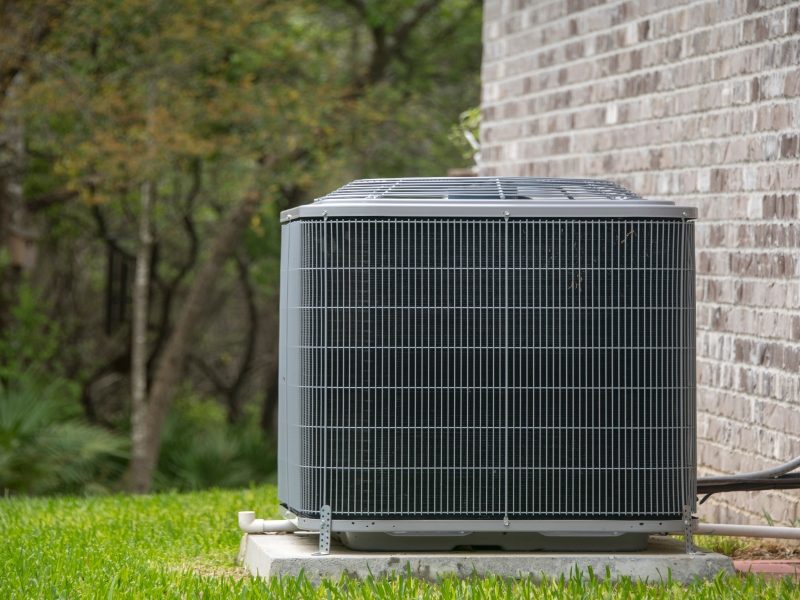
(691, 334)
(283, 474)
(291, 368)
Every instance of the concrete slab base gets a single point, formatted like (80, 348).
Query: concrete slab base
(270, 555)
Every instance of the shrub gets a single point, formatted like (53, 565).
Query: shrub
(30, 341)
(44, 449)
(201, 450)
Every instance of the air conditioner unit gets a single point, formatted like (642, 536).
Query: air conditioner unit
(491, 361)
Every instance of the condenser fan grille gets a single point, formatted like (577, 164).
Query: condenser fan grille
(479, 188)
(466, 368)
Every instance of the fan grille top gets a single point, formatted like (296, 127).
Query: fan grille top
(485, 197)
(481, 188)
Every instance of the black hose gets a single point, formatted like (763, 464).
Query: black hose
(770, 473)
(715, 485)
(774, 478)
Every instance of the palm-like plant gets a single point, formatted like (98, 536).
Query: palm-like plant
(44, 450)
(202, 450)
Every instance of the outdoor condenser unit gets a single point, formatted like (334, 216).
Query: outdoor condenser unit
(491, 361)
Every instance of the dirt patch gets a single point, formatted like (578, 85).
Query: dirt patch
(767, 550)
(218, 571)
(211, 569)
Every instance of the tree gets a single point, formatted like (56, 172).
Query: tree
(24, 28)
(249, 106)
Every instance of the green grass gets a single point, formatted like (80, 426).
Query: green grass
(729, 546)
(185, 546)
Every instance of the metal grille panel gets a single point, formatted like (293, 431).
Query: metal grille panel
(490, 368)
(480, 188)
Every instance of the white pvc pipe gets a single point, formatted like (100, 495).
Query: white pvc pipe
(755, 531)
(249, 524)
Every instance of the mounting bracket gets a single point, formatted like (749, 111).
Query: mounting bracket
(688, 533)
(325, 530)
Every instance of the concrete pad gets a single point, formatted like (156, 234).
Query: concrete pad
(270, 555)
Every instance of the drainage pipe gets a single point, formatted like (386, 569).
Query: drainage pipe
(755, 531)
(249, 524)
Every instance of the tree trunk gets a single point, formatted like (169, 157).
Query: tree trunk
(172, 361)
(233, 394)
(141, 294)
(269, 410)
(16, 230)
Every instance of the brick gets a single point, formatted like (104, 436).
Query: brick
(699, 102)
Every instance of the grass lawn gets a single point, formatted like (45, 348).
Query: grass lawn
(185, 546)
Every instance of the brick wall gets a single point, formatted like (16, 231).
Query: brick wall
(697, 101)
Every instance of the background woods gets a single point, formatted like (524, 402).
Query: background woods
(146, 149)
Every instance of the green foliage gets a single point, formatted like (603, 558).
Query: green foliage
(185, 545)
(202, 450)
(263, 240)
(728, 546)
(466, 134)
(142, 87)
(210, 100)
(31, 340)
(43, 449)
(737, 547)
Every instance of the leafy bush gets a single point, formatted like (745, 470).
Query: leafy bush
(30, 341)
(466, 134)
(201, 450)
(44, 449)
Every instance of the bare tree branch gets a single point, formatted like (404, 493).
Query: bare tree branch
(234, 391)
(171, 364)
(105, 234)
(169, 289)
(209, 373)
(360, 7)
(117, 364)
(403, 31)
(49, 199)
(387, 45)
